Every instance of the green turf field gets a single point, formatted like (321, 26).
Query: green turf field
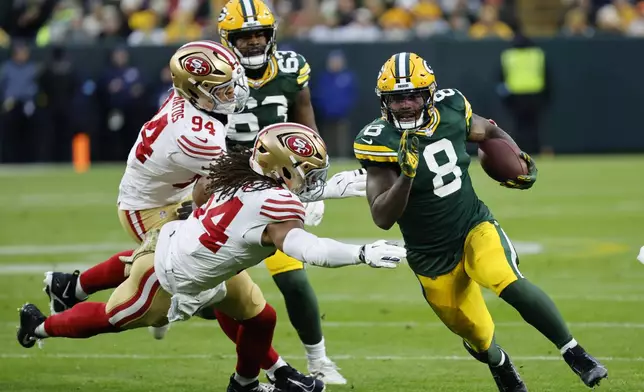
(579, 231)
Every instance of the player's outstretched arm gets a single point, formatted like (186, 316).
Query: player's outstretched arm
(483, 129)
(291, 238)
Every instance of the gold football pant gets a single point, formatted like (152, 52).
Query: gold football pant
(140, 301)
(489, 260)
(137, 222)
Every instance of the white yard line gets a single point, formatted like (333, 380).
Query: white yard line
(298, 357)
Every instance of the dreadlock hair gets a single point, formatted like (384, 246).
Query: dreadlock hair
(231, 171)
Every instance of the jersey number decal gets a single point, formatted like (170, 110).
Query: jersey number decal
(441, 94)
(215, 221)
(198, 125)
(237, 121)
(287, 61)
(149, 134)
(441, 189)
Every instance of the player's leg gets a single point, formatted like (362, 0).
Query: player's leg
(249, 322)
(303, 312)
(457, 301)
(137, 302)
(492, 261)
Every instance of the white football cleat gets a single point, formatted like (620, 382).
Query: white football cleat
(159, 332)
(326, 371)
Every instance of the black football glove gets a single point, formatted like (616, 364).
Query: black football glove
(185, 210)
(524, 181)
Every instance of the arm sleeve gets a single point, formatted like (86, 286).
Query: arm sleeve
(323, 252)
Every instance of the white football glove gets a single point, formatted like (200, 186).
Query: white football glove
(350, 183)
(314, 212)
(382, 254)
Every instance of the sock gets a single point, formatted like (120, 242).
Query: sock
(315, 351)
(568, 346)
(538, 310)
(301, 305)
(40, 331)
(278, 364)
(230, 326)
(243, 381)
(254, 339)
(493, 356)
(84, 320)
(106, 275)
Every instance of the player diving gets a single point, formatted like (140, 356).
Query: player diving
(417, 176)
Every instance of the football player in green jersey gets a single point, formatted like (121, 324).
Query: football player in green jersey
(279, 92)
(417, 176)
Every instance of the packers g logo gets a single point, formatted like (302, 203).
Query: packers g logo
(197, 66)
(428, 68)
(223, 14)
(299, 146)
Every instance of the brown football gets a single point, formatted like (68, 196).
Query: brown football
(500, 159)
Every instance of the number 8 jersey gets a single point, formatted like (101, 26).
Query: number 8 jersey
(442, 205)
(287, 73)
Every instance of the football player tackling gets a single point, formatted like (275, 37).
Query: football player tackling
(188, 265)
(417, 176)
(279, 92)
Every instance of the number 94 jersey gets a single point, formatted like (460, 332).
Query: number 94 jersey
(271, 96)
(443, 205)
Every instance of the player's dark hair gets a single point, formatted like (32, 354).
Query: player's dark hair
(230, 172)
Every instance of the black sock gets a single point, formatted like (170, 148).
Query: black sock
(538, 310)
(301, 304)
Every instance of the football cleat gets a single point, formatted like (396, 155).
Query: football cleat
(288, 379)
(590, 370)
(326, 371)
(507, 377)
(60, 287)
(234, 386)
(30, 318)
(159, 332)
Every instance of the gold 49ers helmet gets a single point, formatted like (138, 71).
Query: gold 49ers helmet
(247, 19)
(406, 86)
(210, 77)
(293, 154)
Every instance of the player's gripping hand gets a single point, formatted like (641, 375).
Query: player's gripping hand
(185, 210)
(408, 155)
(147, 246)
(314, 213)
(382, 254)
(524, 181)
(350, 183)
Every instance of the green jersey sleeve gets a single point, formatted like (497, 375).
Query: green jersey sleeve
(455, 101)
(377, 144)
(295, 67)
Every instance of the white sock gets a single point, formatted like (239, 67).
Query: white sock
(243, 381)
(80, 294)
(271, 372)
(40, 331)
(571, 344)
(315, 351)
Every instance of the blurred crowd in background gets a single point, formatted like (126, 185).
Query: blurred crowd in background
(159, 22)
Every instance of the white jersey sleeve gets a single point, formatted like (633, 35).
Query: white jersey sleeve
(197, 149)
(273, 206)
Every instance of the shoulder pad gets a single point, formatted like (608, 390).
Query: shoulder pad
(377, 142)
(455, 100)
(294, 64)
(279, 205)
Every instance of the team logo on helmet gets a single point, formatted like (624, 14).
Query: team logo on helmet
(197, 66)
(428, 68)
(223, 14)
(299, 145)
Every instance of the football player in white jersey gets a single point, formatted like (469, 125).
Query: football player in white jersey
(188, 265)
(170, 154)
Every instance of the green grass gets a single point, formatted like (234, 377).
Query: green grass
(585, 212)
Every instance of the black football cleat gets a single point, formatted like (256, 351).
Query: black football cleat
(507, 377)
(30, 318)
(60, 287)
(590, 370)
(234, 386)
(288, 379)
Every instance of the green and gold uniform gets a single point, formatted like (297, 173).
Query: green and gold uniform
(452, 239)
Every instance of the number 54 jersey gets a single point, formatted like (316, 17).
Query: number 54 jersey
(443, 206)
(271, 97)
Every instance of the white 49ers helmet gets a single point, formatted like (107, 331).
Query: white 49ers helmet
(210, 77)
(293, 154)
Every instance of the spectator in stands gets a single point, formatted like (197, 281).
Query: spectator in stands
(161, 88)
(396, 24)
(489, 25)
(334, 95)
(609, 22)
(576, 24)
(18, 89)
(636, 27)
(459, 26)
(429, 19)
(182, 28)
(113, 30)
(145, 29)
